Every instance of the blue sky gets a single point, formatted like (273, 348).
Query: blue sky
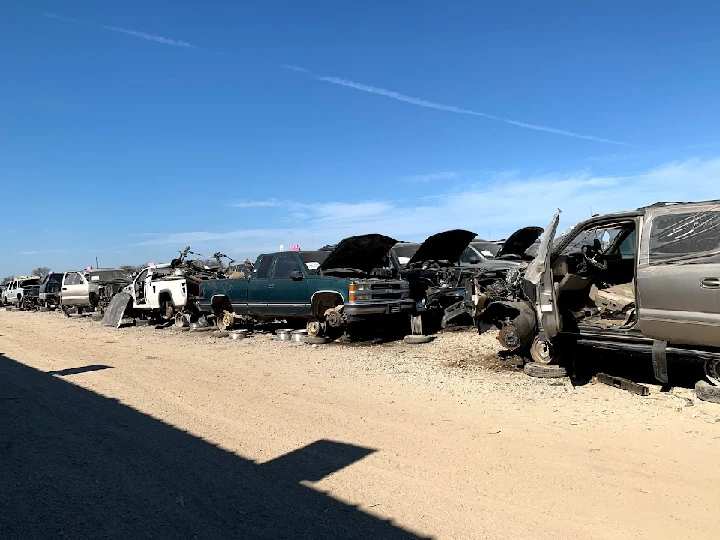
(131, 129)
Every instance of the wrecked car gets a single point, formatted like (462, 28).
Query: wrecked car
(441, 272)
(92, 288)
(328, 290)
(644, 281)
(49, 292)
(17, 288)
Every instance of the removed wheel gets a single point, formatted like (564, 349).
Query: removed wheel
(712, 368)
(314, 340)
(182, 320)
(544, 352)
(225, 320)
(417, 340)
(544, 371)
(315, 328)
(707, 392)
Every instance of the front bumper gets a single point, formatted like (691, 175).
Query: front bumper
(359, 310)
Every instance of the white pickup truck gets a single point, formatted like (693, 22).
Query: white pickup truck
(15, 289)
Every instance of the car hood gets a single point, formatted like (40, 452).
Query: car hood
(444, 246)
(519, 241)
(359, 252)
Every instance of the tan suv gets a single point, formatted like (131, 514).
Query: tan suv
(646, 281)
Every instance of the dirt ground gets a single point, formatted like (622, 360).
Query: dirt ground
(147, 433)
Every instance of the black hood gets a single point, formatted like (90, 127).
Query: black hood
(444, 246)
(519, 241)
(360, 252)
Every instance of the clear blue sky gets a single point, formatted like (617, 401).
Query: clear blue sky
(131, 129)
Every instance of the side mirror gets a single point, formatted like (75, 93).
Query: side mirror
(296, 275)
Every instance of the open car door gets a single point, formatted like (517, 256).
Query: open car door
(539, 274)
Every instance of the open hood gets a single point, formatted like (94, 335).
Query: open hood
(519, 242)
(359, 252)
(444, 246)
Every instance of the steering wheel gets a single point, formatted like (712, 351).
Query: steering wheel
(592, 256)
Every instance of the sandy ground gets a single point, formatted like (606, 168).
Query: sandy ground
(145, 433)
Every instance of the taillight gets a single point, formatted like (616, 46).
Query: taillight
(353, 292)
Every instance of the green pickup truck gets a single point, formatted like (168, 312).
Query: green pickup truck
(329, 290)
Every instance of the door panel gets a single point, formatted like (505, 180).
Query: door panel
(288, 297)
(679, 276)
(258, 286)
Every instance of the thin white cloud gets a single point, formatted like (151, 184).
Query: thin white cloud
(494, 206)
(269, 203)
(402, 97)
(564, 132)
(296, 69)
(458, 110)
(431, 177)
(135, 33)
(44, 251)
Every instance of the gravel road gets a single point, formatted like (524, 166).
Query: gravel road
(146, 433)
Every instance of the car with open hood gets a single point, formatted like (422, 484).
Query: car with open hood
(643, 281)
(94, 287)
(18, 288)
(329, 290)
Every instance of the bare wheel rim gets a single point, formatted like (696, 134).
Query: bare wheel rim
(314, 328)
(541, 352)
(712, 368)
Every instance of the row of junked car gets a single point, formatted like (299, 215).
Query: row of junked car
(644, 281)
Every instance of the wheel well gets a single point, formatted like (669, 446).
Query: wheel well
(322, 301)
(164, 296)
(220, 304)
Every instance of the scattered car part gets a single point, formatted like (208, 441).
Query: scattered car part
(623, 384)
(282, 336)
(298, 336)
(707, 392)
(283, 331)
(544, 371)
(182, 320)
(115, 311)
(414, 339)
(315, 340)
(237, 335)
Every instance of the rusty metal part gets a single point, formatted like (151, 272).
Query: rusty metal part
(623, 384)
(334, 317)
(225, 320)
(315, 328)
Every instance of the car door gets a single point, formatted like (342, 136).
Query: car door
(258, 286)
(678, 276)
(287, 286)
(72, 289)
(539, 273)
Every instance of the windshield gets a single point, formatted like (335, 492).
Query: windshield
(405, 252)
(110, 275)
(487, 249)
(313, 259)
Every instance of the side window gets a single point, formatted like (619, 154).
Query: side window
(627, 246)
(142, 276)
(687, 236)
(263, 267)
(285, 263)
(70, 278)
(467, 255)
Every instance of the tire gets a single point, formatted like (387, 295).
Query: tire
(314, 340)
(418, 339)
(707, 392)
(544, 371)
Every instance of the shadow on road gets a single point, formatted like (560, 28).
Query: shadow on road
(74, 464)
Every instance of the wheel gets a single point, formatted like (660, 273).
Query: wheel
(182, 320)
(707, 392)
(417, 340)
(544, 371)
(315, 328)
(544, 352)
(712, 368)
(314, 340)
(225, 321)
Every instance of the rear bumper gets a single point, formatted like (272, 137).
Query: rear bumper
(370, 308)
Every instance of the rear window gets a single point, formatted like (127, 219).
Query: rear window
(692, 237)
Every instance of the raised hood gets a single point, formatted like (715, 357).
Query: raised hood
(519, 242)
(444, 246)
(359, 252)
